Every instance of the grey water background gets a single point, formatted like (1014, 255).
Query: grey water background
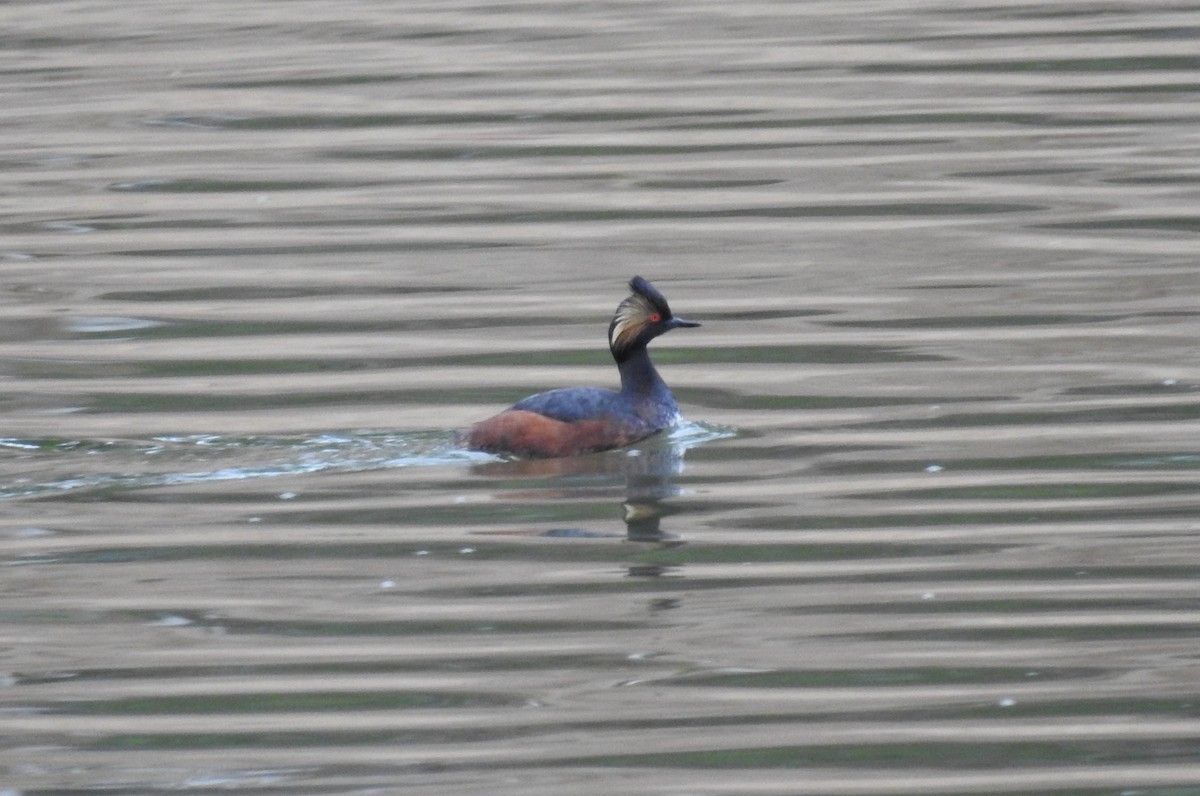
(930, 526)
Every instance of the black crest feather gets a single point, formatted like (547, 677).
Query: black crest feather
(634, 315)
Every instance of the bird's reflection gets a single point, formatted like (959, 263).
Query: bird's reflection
(648, 472)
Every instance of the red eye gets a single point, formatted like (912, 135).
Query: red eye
(655, 317)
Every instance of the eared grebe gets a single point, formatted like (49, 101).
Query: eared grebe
(584, 419)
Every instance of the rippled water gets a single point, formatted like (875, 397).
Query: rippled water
(930, 526)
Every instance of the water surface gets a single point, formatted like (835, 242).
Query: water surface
(929, 526)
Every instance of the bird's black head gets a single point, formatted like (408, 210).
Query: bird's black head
(640, 318)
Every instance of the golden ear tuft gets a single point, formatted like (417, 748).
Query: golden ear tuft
(629, 320)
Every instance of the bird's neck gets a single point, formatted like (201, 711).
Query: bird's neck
(639, 379)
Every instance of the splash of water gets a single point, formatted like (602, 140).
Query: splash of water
(203, 458)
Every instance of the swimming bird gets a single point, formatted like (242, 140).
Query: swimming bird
(575, 420)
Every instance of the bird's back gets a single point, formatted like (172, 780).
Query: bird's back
(573, 404)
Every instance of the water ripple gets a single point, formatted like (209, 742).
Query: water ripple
(155, 463)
